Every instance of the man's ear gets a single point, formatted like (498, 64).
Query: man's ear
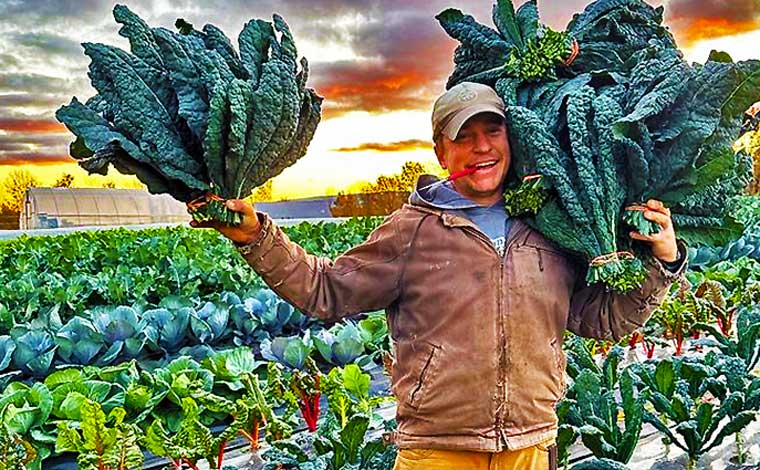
(438, 149)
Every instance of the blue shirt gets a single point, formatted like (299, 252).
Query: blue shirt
(492, 221)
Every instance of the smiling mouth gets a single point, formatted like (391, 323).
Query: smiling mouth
(483, 165)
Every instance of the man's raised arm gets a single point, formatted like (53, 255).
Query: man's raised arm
(365, 278)
(596, 312)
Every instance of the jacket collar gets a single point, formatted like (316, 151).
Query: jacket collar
(452, 220)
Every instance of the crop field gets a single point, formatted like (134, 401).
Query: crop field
(162, 348)
(164, 342)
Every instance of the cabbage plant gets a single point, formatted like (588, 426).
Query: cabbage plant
(7, 346)
(78, 342)
(167, 329)
(246, 318)
(209, 323)
(34, 353)
(289, 351)
(122, 330)
(340, 345)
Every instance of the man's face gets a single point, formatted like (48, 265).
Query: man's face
(482, 142)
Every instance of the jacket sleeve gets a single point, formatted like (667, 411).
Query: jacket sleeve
(365, 278)
(597, 312)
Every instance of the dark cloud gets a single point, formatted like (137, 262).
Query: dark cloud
(8, 61)
(54, 10)
(409, 60)
(33, 141)
(49, 44)
(15, 141)
(36, 83)
(735, 10)
(404, 145)
(32, 100)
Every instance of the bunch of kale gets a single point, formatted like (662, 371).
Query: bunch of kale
(190, 116)
(627, 120)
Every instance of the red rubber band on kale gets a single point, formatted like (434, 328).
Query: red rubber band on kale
(575, 50)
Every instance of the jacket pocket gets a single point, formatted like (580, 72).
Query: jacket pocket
(427, 369)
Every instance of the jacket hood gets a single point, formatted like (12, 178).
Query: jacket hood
(432, 192)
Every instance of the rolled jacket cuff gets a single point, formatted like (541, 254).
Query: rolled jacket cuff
(264, 240)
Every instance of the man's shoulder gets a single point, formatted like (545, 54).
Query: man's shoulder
(405, 221)
(411, 213)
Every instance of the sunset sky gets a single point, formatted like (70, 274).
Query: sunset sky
(378, 63)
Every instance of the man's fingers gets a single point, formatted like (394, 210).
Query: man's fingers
(238, 205)
(658, 217)
(639, 236)
(655, 205)
(206, 224)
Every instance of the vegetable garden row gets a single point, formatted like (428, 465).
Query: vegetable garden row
(178, 349)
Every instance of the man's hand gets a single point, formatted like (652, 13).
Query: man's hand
(663, 243)
(244, 233)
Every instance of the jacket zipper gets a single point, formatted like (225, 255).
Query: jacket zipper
(502, 412)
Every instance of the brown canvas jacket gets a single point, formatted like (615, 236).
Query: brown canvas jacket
(477, 338)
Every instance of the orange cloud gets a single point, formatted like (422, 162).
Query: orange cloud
(692, 30)
(34, 159)
(402, 146)
(692, 20)
(410, 68)
(31, 125)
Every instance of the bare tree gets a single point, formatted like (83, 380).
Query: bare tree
(15, 186)
(403, 181)
(263, 193)
(64, 181)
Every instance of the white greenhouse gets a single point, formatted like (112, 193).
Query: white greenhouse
(77, 207)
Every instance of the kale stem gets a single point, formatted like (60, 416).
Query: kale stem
(739, 450)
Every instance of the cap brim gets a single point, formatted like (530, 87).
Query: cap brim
(452, 128)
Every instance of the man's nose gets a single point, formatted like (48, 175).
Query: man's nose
(482, 142)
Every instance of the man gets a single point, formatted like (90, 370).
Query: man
(477, 302)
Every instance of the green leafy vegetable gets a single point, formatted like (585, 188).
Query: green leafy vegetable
(191, 117)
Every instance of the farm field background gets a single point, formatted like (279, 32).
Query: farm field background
(167, 334)
(161, 348)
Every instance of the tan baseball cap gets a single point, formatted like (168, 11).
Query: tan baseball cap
(463, 101)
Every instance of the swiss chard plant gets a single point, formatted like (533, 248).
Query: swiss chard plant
(25, 411)
(344, 447)
(746, 345)
(348, 393)
(15, 451)
(101, 442)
